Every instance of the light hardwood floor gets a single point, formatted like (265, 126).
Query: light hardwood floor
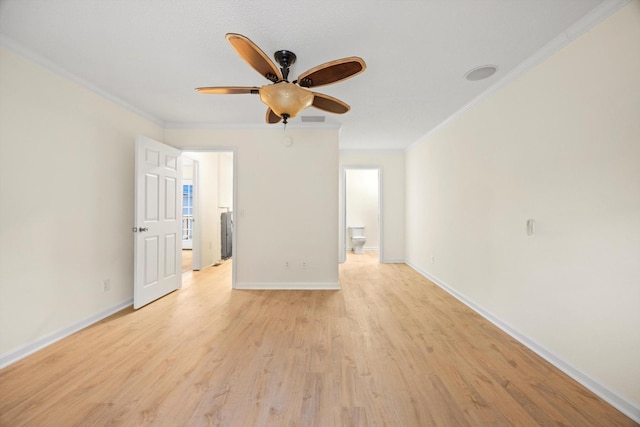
(187, 260)
(389, 349)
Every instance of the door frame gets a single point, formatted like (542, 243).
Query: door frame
(201, 186)
(342, 231)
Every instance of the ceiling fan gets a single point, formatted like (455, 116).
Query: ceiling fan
(284, 99)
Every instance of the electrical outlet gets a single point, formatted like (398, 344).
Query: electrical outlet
(304, 265)
(106, 285)
(287, 265)
(433, 259)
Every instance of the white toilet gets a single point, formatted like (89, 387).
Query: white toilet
(357, 239)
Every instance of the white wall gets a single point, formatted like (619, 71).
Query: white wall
(187, 171)
(225, 180)
(287, 203)
(362, 205)
(392, 167)
(561, 145)
(61, 236)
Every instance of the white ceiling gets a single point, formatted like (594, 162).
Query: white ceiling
(151, 54)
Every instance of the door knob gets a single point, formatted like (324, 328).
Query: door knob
(140, 229)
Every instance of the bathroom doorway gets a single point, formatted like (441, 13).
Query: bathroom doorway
(362, 207)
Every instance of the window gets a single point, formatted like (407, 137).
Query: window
(187, 212)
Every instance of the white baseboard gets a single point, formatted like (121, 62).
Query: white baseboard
(315, 286)
(616, 400)
(393, 261)
(22, 352)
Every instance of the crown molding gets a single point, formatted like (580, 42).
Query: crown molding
(578, 28)
(23, 52)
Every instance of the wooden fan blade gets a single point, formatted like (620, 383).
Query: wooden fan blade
(330, 104)
(332, 72)
(254, 56)
(272, 117)
(228, 90)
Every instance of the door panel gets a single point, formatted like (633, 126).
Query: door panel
(158, 224)
(170, 208)
(152, 197)
(151, 261)
(170, 260)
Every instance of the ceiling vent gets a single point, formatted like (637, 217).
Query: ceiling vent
(312, 119)
(481, 73)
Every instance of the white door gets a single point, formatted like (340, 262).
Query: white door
(158, 226)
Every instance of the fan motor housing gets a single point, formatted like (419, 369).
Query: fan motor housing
(286, 59)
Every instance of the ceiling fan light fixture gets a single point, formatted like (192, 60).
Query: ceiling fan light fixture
(286, 98)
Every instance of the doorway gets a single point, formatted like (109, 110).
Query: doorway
(362, 207)
(213, 194)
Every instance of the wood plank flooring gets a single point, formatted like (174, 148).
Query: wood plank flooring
(187, 260)
(389, 349)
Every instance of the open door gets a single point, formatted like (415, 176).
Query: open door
(158, 221)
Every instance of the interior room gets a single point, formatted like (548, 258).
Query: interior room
(498, 283)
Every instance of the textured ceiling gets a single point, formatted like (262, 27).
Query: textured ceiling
(151, 54)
